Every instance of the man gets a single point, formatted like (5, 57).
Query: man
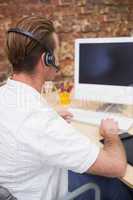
(38, 147)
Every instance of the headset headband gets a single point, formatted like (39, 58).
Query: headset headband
(28, 34)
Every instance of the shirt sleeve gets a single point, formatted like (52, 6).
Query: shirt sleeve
(56, 142)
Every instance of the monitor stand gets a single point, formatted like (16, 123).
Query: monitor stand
(110, 107)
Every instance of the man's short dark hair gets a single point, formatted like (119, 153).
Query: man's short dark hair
(23, 52)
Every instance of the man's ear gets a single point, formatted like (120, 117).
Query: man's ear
(42, 60)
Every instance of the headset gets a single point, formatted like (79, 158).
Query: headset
(49, 58)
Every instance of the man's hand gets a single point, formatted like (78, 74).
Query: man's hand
(66, 115)
(109, 128)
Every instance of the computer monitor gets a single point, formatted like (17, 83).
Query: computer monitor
(104, 69)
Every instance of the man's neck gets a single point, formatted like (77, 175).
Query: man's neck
(32, 80)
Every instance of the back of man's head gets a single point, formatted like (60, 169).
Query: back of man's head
(24, 52)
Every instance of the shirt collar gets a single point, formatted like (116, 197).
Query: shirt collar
(23, 95)
(23, 86)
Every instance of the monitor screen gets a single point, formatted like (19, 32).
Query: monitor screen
(104, 69)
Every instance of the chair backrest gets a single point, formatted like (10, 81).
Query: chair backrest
(81, 190)
(5, 194)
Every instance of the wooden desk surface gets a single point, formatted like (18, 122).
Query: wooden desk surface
(93, 132)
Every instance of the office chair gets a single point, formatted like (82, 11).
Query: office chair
(81, 190)
(5, 194)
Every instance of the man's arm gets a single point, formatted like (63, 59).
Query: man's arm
(111, 160)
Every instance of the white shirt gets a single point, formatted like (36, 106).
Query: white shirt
(37, 147)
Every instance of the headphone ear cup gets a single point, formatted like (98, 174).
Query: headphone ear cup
(49, 59)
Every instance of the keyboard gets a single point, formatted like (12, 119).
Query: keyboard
(94, 118)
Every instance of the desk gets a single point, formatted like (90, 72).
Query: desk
(93, 132)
